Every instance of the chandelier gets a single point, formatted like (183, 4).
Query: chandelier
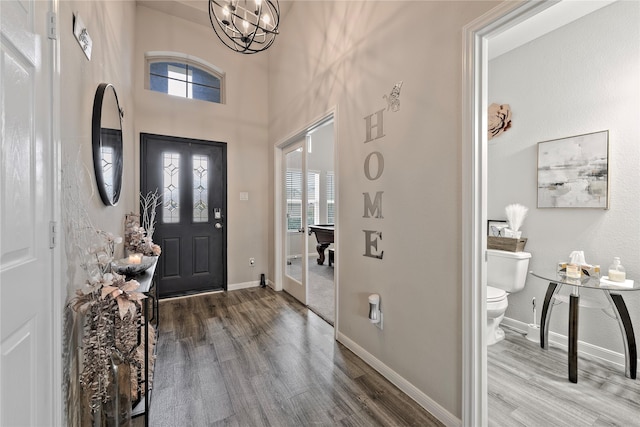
(246, 26)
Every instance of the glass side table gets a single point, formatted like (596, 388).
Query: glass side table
(613, 294)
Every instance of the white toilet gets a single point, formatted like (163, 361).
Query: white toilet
(506, 273)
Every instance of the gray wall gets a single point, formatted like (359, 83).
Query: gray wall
(241, 122)
(111, 26)
(349, 56)
(582, 78)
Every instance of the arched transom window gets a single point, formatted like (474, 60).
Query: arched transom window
(185, 76)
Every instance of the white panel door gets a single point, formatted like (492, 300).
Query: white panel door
(25, 211)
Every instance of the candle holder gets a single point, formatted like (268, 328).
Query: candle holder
(133, 266)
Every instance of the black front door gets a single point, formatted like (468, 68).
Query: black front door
(191, 176)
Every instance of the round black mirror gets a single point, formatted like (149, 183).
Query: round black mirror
(106, 136)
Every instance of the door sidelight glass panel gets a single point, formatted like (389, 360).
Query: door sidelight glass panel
(171, 188)
(200, 188)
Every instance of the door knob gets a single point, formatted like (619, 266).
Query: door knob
(218, 225)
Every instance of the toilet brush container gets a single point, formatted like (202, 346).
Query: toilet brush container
(533, 332)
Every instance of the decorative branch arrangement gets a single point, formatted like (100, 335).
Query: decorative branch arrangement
(109, 303)
(113, 316)
(137, 238)
(148, 205)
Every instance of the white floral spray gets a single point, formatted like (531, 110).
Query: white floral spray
(515, 217)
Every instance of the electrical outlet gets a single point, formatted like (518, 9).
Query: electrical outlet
(252, 262)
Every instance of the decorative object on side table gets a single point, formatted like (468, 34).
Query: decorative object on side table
(138, 239)
(133, 265)
(110, 344)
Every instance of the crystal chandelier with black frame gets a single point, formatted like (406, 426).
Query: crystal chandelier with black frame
(245, 26)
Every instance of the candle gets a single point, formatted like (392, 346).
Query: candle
(135, 258)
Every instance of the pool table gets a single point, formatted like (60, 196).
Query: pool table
(324, 236)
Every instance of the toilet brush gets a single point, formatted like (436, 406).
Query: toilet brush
(533, 302)
(533, 332)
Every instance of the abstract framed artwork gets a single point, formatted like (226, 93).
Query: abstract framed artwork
(573, 172)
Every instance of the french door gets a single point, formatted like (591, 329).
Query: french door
(295, 215)
(191, 176)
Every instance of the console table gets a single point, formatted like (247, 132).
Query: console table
(612, 292)
(150, 313)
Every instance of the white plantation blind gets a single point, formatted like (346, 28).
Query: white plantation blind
(313, 198)
(294, 198)
(331, 198)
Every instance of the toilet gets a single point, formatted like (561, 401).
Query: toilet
(506, 273)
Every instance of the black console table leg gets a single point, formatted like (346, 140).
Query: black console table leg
(574, 306)
(552, 290)
(629, 339)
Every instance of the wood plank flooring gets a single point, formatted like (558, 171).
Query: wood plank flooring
(256, 357)
(529, 386)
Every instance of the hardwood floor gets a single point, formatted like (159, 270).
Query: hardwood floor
(256, 357)
(529, 386)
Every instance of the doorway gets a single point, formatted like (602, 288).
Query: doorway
(191, 177)
(308, 210)
(507, 23)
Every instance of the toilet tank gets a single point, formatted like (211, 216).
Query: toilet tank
(507, 270)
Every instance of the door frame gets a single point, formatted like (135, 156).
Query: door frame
(278, 219)
(58, 272)
(142, 183)
(475, 41)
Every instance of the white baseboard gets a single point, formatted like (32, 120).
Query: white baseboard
(446, 417)
(562, 340)
(245, 285)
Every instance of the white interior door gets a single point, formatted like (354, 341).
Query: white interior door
(295, 217)
(26, 326)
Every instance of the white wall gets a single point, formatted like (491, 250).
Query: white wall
(241, 122)
(348, 56)
(111, 27)
(582, 78)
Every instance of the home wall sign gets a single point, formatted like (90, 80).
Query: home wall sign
(373, 170)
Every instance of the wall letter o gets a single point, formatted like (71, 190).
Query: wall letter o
(367, 168)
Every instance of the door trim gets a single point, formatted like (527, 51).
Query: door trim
(59, 294)
(278, 220)
(475, 101)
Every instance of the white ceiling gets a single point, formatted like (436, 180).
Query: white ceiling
(550, 19)
(192, 10)
(554, 17)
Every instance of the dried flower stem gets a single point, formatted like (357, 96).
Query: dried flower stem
(148, 205)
